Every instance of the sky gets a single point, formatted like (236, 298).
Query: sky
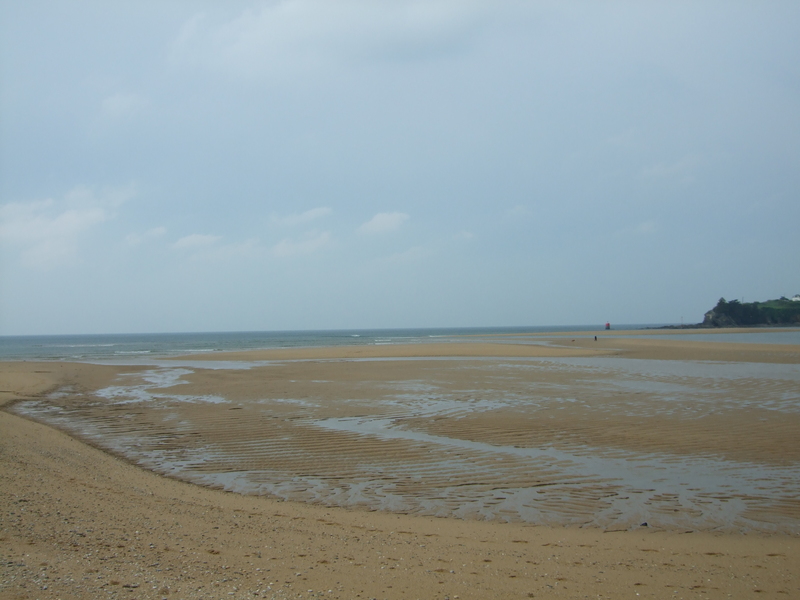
(328, 164)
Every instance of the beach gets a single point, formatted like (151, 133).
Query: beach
(544, 466)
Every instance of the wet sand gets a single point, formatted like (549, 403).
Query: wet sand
(407, 423)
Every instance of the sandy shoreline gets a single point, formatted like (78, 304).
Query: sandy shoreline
(540, 346)
(84, 524)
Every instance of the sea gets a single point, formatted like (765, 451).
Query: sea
(111, 347)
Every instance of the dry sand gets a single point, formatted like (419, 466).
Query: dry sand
(78, 522)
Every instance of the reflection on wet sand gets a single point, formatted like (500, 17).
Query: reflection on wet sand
(606, 441)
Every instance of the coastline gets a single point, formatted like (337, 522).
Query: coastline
(573, 344)
(158, 536)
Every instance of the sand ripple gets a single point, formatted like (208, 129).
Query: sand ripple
(605, 441)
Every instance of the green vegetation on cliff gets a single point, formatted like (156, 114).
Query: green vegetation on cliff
(737, 314)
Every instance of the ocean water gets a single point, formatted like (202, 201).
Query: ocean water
(161, 345)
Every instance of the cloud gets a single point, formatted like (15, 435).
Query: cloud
(246, 249)
(312, 242)
(305, 217)
(82, 196)
(295, 34)
(645, 227)
(682, 169)
(121, 106)
(520, 210)
(403, 258)
(383, 223)
(413, 254)
(630, 138)
(196, 240)
(134, 239)
(48, 231)
(206, 249)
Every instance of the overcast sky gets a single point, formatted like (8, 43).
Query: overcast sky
(326, 164)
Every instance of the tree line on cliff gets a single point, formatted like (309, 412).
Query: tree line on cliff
(738, 314)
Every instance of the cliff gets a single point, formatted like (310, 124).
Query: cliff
(746, 314)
